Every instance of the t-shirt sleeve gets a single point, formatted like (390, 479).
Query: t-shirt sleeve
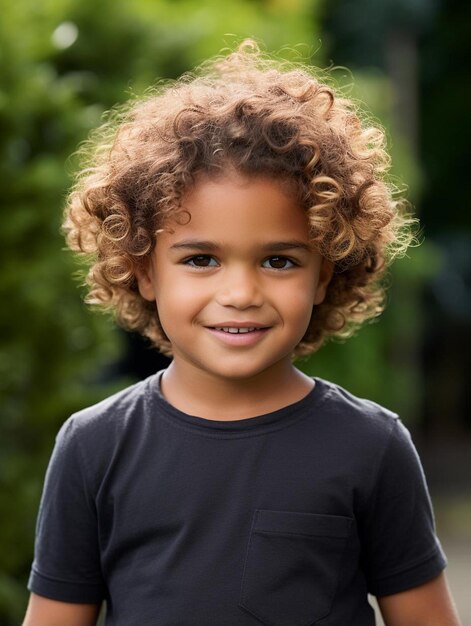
(66, 563)
(402, 550)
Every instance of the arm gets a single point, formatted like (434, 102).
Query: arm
(429, 604)
(66, 563)
(44, 612)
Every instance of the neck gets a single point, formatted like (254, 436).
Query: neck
(197, 392)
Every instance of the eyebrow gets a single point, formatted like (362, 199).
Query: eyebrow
(275, 246)
(194, 244)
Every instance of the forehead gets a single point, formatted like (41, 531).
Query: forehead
(237, 207)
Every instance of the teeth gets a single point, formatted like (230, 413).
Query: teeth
(235, 331)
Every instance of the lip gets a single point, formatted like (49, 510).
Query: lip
(233, 324)
(238, 339)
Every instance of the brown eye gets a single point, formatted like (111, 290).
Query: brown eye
(278, 263)
(201, 260)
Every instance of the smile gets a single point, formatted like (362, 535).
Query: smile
(241, 336)
(236, 330)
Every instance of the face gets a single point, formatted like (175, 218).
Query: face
(235, 286)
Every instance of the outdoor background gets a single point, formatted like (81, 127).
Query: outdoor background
(64, 62)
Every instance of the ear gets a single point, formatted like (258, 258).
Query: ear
(325, 275)
(144, 276)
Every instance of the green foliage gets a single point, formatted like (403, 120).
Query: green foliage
(51, 348)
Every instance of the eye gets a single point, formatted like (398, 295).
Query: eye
(201, 260)
(279, 263)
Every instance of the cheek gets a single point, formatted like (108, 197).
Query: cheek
(297, 307)
(298, 294)
(176, 298)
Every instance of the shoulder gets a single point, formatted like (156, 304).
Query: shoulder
(353, 413)
(361, 432)
(93, 439)
(108, 420)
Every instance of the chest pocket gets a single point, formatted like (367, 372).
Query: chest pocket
(292, 566)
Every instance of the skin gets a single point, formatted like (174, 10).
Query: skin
(243, 258)
(44, 612)
(430, 604)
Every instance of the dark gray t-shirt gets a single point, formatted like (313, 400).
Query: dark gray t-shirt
(285, 519)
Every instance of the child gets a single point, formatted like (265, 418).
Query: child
(237, 218)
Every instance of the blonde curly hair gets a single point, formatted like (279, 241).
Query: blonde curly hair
(246, 112)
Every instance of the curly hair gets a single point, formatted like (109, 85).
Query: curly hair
(246, 112)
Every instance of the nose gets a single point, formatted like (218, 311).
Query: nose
(240, 289)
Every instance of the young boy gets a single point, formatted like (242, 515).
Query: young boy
(237, 218)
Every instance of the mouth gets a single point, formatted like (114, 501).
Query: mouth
(238, 334)
(238, 330)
